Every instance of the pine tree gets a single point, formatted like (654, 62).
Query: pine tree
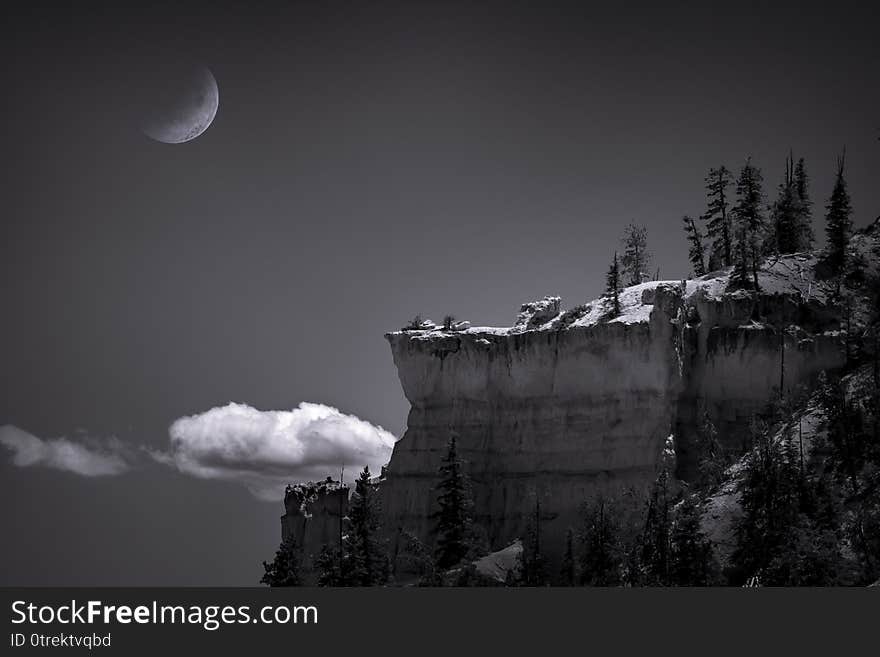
(568, 571)
(366, 552)
(331, 566)
(785, 235)
(771, 497)
(636, 258)
(807, 555)
(838, 222)
(804, 207)
(717, 218)
(692, 562)
(534, 565)
(696, 250)
(711, 460)
(741, 276)
(864, 533)
(656, 536)
(612, 288)
(600, 562)
(418, 558)
(455, 515)
(791, 214)
(849, 441)
(285, 567)
(852, 467)
(415, 324)
(749, 220)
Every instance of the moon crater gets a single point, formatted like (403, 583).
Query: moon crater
(182, 107)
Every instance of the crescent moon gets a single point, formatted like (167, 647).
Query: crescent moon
(185, 108)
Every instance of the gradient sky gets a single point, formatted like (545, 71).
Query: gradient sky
(368, 161)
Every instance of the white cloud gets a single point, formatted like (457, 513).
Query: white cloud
(92, 459)
(265, 450)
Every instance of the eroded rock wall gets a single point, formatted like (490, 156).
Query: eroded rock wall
(313, 516)
(734, 364)
(559, 414)
(564, 410)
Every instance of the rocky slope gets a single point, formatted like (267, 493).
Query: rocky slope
(806, 429)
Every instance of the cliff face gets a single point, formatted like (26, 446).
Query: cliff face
(546, 412)
(313, 516)
(739, 348)
(565, 404)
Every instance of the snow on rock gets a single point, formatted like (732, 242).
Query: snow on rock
(537, 313)
(786, 283)
(503, 565)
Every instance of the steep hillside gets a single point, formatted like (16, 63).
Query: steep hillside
(831, 440)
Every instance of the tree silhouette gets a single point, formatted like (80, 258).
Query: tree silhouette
(455, 515)
(600, 561)
(717, 218)
(365, 550)
(696, 250)
(692, 562)
(804, 207)
(750, 220)
(838, 222)
(612, 287)
(636, 258)
(285, 567)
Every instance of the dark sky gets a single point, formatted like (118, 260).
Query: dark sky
(368, 161)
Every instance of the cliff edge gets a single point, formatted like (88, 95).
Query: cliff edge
(567, 403)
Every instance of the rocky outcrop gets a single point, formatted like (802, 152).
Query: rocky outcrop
(739, 348)
(567, 403)
(540, 412)
(502, 566)
(313, 516)
(537, 313)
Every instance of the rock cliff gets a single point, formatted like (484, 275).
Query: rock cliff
(567, 403)
(313, 516)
